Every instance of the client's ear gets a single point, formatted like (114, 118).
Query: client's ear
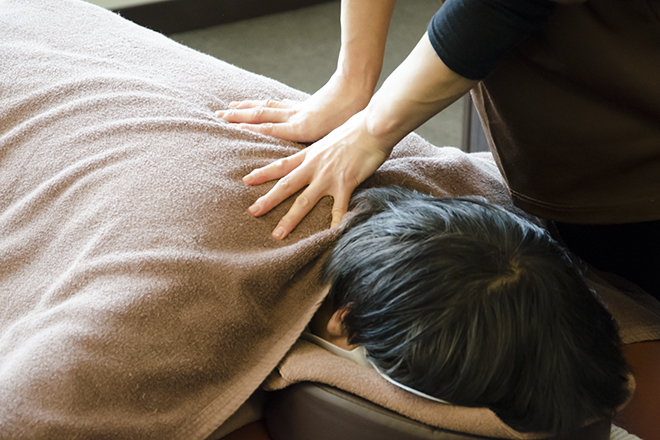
(336, 331)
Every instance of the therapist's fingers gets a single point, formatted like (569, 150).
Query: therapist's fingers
(275, 170)
(300, 208)
(283, 189)
(284, 130)
(304, 204)
(340, 206)
(273, 103)
(256, 115)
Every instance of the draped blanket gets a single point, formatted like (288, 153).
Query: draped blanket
(138, 298)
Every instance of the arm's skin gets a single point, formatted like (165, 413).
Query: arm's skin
(364, 28)
(354, 148)
(418, 89)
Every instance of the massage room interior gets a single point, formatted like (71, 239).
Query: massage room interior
(295, 43)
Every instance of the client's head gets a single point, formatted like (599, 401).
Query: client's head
(469, 303)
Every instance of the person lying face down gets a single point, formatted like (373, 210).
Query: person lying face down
(466, 302)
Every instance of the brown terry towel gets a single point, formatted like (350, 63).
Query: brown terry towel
(138, 299)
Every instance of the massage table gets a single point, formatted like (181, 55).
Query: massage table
(138, 299)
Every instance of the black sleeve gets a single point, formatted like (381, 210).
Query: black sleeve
(472, 36)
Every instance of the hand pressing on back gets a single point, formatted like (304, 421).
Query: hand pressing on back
(353, 143)
(301, 121)
(333, 166)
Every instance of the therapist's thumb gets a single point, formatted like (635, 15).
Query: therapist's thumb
(339, 208)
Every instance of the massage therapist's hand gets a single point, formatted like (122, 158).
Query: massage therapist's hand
(364, 26)
(302, 121)
(334, 166)
(418, 89)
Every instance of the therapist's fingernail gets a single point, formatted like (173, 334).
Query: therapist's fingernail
(254, 209)
(279, 232)
(233, 104)
(248, 179)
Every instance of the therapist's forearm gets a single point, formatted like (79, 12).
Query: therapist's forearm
(364, 27)
(419, 88)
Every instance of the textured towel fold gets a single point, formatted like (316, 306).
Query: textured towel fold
(138, 299)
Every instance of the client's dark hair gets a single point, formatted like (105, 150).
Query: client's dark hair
(467, 302)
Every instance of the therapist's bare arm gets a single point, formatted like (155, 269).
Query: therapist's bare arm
(418, 89)
(364, 27)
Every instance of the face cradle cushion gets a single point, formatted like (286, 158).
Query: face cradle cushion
(310, 410)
